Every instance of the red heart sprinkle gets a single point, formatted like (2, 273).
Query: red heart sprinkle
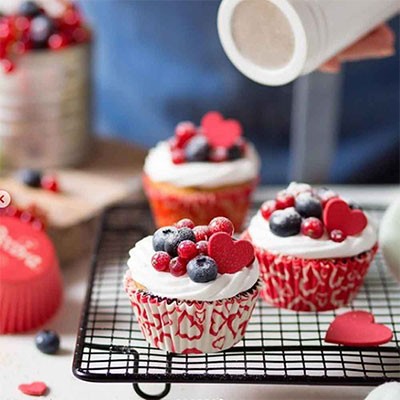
(220, 132)
(357, 328)
(33, 389)
(230, 255)
(338, 215)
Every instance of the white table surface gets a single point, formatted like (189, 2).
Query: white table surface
(21, 362)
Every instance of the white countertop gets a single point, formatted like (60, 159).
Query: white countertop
(21, 362)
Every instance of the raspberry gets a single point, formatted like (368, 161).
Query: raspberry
(284, 200)
(201, 232)
(185, 223)
(187, 250)
(221, 224)
(312, 227)
(268, 208)
(177, 266)
(184, 131)
(178, 156)
(202, 247)
(337, 236)
(160, 261)
(49, 182)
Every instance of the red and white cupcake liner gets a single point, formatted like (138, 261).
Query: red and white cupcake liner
(201, 206)
(311, 285)
(191, 327)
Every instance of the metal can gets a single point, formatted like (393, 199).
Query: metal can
(45, 109)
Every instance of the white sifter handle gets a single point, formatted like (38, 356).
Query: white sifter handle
(274, 41)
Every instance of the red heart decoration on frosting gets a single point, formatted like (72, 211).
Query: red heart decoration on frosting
(220, 132)
(33, 389)
(357, 328)
(230, 255)
(338, 215)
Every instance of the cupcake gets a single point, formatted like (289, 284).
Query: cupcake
(202, 172)
(314, 248)
(193, 289)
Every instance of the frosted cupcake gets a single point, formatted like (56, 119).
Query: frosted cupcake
(193, 289)
(202, 172)
(314, 248)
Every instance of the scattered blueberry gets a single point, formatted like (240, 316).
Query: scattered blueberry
(29, 9)
(308, 206)
(47, 341)
(31, 177)
(285, 222)
(235, 152)
(161, 235)
(202, 269)
(42, 28)
(172, 241)
(197, 149)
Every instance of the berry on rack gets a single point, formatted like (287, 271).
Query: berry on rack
(187, 250)
(47, 341)
(185, 223)
(221, 224)
(160, 261)
(285, 222)
(337, 236)
(202, 269)
(173, 240)
(161, 235)
(267, 208)
(312, 227)
(177, 266)
(201, 232)
(308, 205)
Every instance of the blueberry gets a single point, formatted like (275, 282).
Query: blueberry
(161, 235)
(47, 341)
(285, 222)
(29, 9)
(42, 27)
(308, 206)
(235, 152)
(172, 241)
(31, 177)
(202, 269)
(197, 149)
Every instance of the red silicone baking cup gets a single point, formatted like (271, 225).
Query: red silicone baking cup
(311, 285)
(200, 206)
(30, 278)
(191, 327)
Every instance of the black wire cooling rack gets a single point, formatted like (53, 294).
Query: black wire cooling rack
(280, 346)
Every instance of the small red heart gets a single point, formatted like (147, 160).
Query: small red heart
(357, 328)
(338, 215)
(220, 132)
(33, 389)
(230, 255)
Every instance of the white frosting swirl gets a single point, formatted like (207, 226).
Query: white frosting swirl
(164, 284)
(160, 168)
(306, 247)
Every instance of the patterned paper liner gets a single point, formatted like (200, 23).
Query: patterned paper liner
(170, 204)
(311, 285)
(191, 327)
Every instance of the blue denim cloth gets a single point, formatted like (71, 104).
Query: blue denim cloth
(160, 62)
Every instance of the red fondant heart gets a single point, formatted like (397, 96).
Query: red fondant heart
(220, 132)
(231, 256)
(338, 215)
(357, 328)
(33, 389)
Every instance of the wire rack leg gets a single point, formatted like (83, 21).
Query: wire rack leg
(146, 396)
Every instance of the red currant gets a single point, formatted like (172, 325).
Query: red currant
(202, 247)
(187, 249)
(284, 200)
(160, 261)
(80, 35)
(37, 224)
(7, 65)
(184, 131)
(26, 216)
(49, 182)
(218, 154)
(185, 223)
(201, 232)
(312, 227)
(267, 208)
(178, 156)
(13, 211)
(57, 41)
(337, 236)
(177, 266)
(221, 224)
